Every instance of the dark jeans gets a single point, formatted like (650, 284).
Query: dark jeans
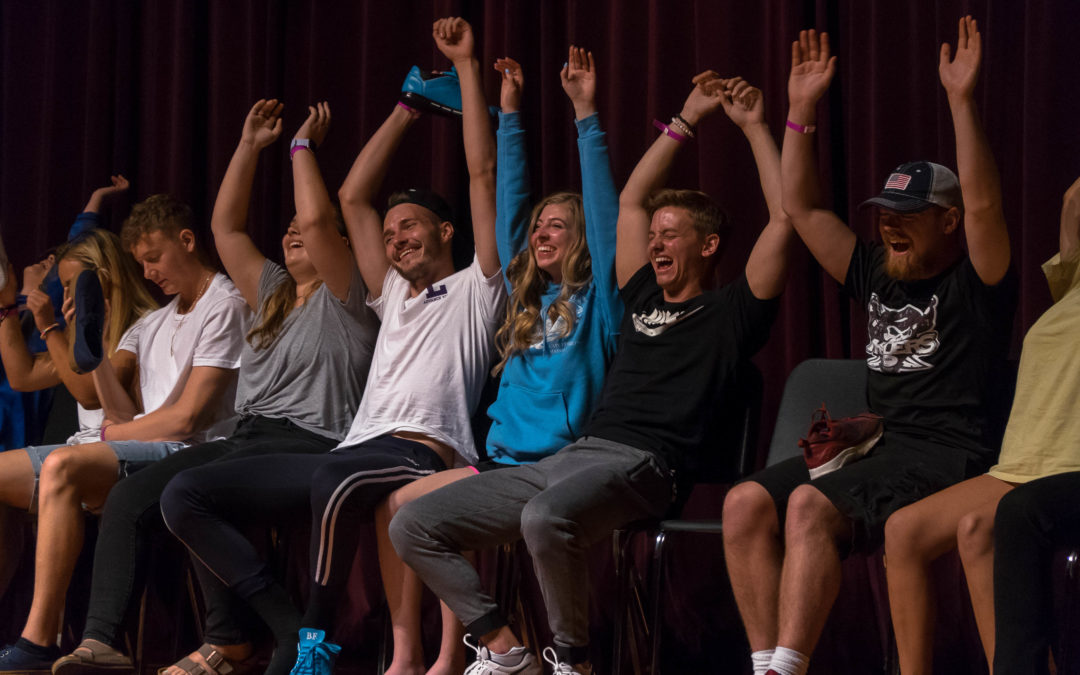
(1031, 520)
(132, 513)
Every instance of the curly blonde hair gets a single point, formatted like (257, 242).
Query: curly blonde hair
(527, 283)
(121, 283)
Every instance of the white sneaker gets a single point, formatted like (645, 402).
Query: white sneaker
(560, 667)
(523, 661)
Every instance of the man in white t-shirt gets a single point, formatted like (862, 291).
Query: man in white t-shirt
(429, 366)
(171, 382)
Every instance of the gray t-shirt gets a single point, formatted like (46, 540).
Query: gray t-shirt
(315, 371)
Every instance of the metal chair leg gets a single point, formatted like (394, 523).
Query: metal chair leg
(655, 583)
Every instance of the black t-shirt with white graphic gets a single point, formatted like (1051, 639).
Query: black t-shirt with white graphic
(673, 363)
(936, 349)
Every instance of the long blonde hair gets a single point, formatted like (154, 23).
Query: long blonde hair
(101, 251)
(527, 283)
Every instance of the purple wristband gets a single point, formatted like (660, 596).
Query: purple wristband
(802, 129)
(668, 131)
(407, 108)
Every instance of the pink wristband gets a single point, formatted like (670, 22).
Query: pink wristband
(297, 148)
(407, 108)
(668, 131)
(807, 129)
(103, 428)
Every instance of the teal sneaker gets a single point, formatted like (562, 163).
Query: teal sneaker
(315, 656)
(432, 91)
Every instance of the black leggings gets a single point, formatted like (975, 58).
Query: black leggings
(208, 509)
(1031, 520)
(132, 515)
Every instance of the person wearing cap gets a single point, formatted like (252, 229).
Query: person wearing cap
(430, 363)
(938, 331)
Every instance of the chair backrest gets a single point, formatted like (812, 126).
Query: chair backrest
(732, 455)
(838, 383)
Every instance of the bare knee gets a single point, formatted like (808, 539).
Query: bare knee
(59, 472)
(749, 512)
(905, 534)
(811, 515)
(975, 535)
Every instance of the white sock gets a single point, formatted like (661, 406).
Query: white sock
(510, 658)
(788, 662)
(761, 661)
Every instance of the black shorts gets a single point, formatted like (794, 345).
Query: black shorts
(900, 470)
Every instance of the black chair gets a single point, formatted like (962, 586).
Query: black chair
(742, 410)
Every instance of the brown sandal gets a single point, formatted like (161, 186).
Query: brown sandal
(85, 660)
(216, 663)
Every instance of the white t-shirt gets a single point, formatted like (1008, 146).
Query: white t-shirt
(89, 425)
(431, 358)
(168, 345)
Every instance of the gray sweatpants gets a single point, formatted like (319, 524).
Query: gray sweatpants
(561, 506)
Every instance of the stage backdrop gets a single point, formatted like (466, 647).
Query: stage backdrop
(158, 91)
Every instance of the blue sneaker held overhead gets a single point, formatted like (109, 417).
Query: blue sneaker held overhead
(89, 301)
(26, 657)
(432, 91)
(315, 656)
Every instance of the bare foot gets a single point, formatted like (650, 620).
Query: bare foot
(232, 653)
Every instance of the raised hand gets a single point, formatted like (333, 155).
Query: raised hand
(117, 185)
(742, 102)
(704, 98)
(579, 81)
(317, 123)
(263, 123)
(40, 305)
(958, 74)
(812, 69)
(513, 82)
(454, 38)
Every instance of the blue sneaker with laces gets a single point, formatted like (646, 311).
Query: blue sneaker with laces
(26, 657)
(315, 656)
(432, 91)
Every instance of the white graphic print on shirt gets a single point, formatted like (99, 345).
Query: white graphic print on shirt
(901, 339)
(659, 320)
(552, 331)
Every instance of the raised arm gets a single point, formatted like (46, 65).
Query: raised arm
(241, 258)
(118, 185)
(24, 371)
(984, 220)
(830, 241)
(766, 268)
(598, 194)
(357, 196)
(1069, 236)
(454, 38)
(512, 207)
(631, 251)
(315, 216)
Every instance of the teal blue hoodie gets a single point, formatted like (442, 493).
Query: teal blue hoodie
(548, 391)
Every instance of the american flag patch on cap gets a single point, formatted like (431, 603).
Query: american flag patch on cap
(897, 181)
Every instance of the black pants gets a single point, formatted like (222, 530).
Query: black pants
(209, 507)
(132, 513)
(1031, 521)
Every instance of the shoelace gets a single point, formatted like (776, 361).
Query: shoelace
(481, 661)
(558, 667)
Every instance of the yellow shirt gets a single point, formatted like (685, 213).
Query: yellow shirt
(1043, 435)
